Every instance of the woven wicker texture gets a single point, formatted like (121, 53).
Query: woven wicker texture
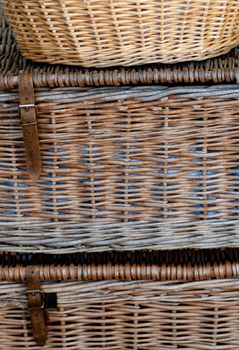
(127, 315)
(122, 168)
(98, 181)
(124, 314)
(174, 265)
(222, 69)
(108, 33)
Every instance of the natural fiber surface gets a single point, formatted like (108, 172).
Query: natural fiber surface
(117, 32)
(222, 69)
(136, 310)
(177, 265)
(127, 315)
(122, 168)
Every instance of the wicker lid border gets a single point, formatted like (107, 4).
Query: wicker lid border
(184, 265)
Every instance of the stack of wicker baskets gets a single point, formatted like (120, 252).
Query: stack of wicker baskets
(119, 195)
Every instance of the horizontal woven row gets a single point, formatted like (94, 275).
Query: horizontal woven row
(125, 272)
(108, 33)
(122, 168)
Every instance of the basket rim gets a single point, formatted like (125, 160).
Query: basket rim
(184, 265)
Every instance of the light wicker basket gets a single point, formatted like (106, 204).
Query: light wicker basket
(118, 32)
(222, 69)
(171, 301)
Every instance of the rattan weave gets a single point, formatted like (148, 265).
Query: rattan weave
(134, 306)
(108, 33)
(217, 70)
(122, 168)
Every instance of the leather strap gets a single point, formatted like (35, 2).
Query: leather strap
(36, 305)
(28, 114)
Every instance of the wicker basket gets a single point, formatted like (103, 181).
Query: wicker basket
(223, 69)
(171, 301)
(108, 33)
(117, 168)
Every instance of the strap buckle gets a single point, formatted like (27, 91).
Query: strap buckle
(26, 107)
(34, 293)
(36, 307)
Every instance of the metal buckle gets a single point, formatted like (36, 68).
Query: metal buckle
(27, 106)
(34, 292)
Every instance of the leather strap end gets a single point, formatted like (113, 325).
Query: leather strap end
(32, 151)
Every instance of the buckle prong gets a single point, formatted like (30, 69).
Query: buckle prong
(27, 106)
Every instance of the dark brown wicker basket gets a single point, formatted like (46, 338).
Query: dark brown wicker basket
(145, 167)
(174, 300)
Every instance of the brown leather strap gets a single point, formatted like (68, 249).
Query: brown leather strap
(28, 114)
(36, 305)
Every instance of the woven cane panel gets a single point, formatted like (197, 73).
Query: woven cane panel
(127, 315)
(123, 168)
